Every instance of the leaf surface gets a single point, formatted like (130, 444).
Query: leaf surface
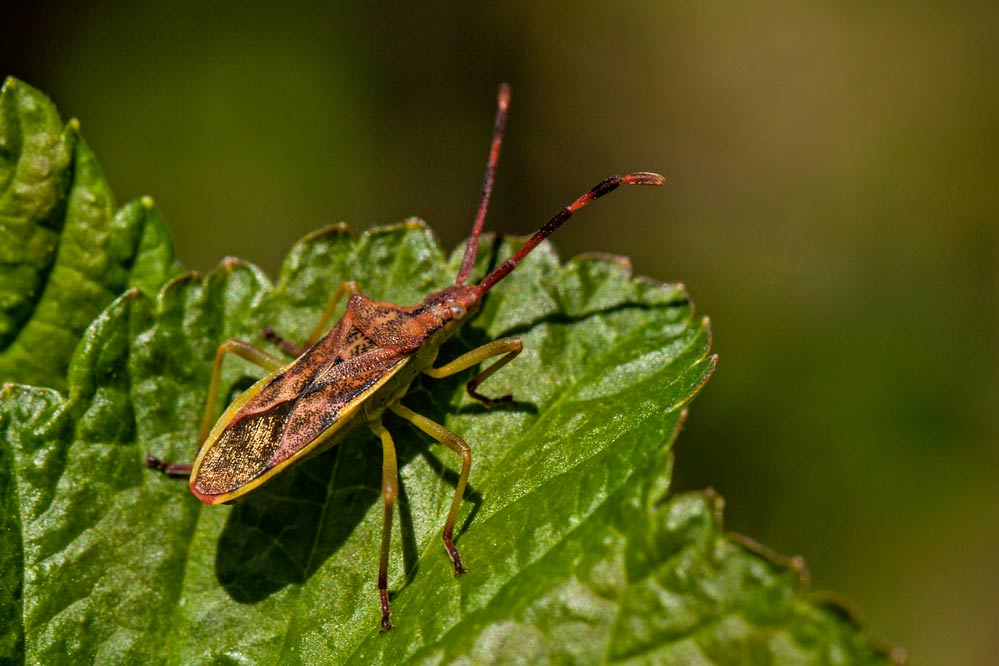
(574, 554)
(65, 252)
(571, 555)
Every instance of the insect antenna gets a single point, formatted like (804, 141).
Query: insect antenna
(603, 187)
(502, 104)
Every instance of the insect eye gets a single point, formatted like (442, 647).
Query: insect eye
(457, 311)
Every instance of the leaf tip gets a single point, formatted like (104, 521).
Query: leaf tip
(620, 261)
(336, 229)
(178, 281)
(717, 503)
(74, 124)
(706, 324)
(832, 601)
(147, 202)
(411, 223)
(843, 607)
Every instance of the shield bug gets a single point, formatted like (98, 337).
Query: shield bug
(348, 376)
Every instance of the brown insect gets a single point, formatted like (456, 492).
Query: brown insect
(363, 366)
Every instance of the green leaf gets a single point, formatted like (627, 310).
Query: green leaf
(573, 557)
(65, 253)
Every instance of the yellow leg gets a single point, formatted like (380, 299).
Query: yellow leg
(390, 490)
(458, 445)
(509, 346)
(349, 288)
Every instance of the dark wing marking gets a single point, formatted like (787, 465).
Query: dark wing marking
(323, 403)
(288, 384)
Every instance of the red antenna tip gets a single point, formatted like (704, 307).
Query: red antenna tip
(503, 99)
(643, 178)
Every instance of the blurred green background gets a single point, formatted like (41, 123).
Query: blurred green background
(832, 203)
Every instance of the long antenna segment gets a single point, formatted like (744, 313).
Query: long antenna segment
(603, 187)
(471, 248)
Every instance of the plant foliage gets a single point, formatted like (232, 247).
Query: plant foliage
(576, 553)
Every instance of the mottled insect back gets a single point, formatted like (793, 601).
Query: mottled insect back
(349, 376)
(313, 402)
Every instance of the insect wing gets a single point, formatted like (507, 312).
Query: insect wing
(260, 434)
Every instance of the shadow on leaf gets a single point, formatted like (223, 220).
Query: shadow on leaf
(282, 534)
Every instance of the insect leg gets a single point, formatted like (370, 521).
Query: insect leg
(284, 343)
(170, 469)
(349, 288)
(509, 346)
(458, 445)
(390, 489)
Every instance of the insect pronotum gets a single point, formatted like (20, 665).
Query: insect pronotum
(361, 367)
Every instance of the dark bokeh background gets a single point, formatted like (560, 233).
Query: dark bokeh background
(832, 204)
